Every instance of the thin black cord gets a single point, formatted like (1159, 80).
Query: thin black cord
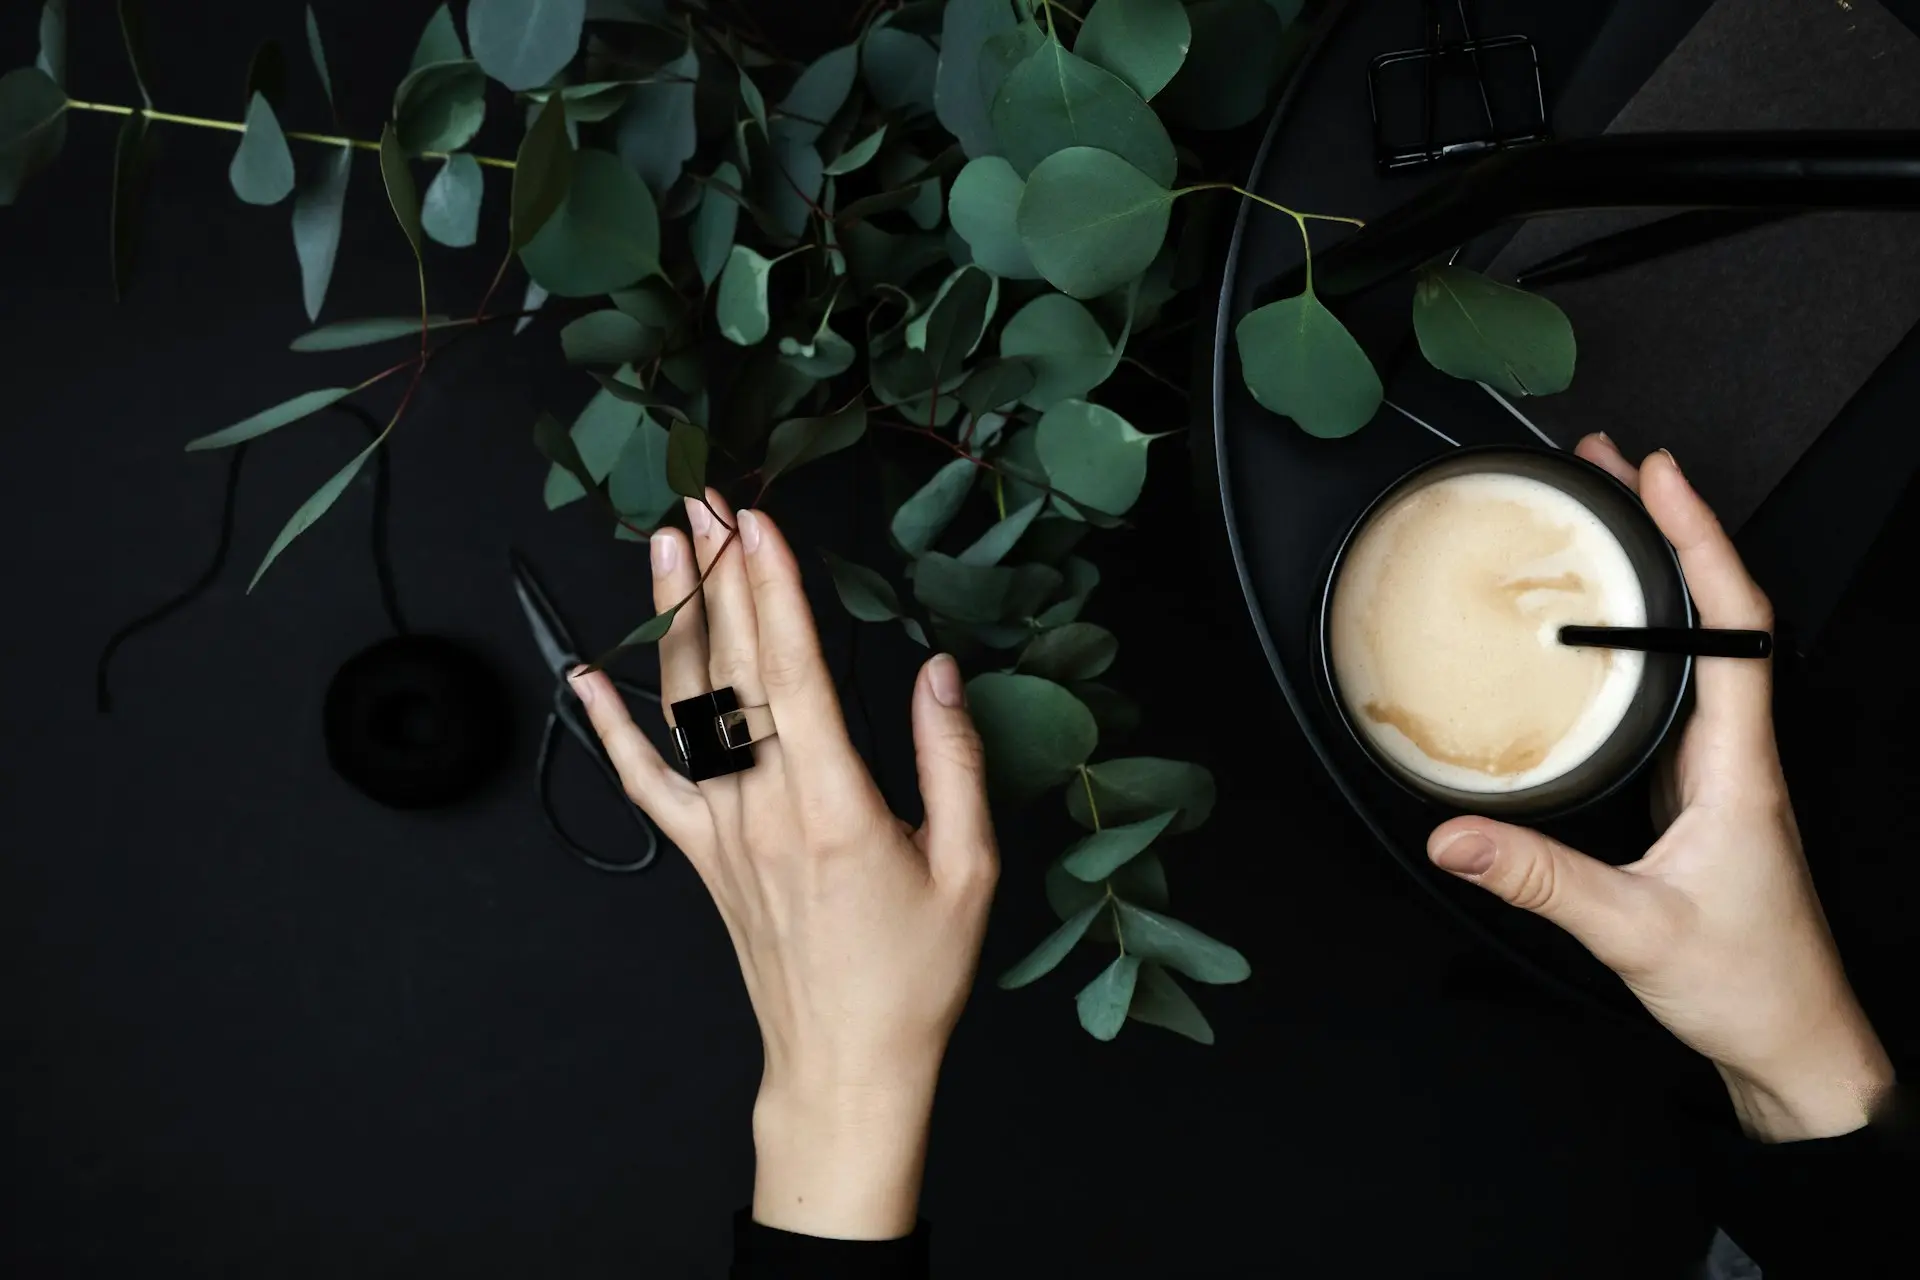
(382, 563)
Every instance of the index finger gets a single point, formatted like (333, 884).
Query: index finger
(1723, 592)
(806, 707)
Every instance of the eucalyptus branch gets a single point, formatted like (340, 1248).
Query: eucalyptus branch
(292, 135)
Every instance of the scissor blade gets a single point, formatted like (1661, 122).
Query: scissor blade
(549, 632)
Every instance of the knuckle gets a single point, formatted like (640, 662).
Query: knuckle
(1536, 884)
(784, 668)
(730, 663)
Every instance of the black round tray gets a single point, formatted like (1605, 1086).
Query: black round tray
(1288, 498)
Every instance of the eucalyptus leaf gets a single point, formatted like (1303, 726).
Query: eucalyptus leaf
(687, 460)
(557, 447)
(262, 168)
(1054, 100)
(317, 50)
(52, 59)
(1299, 360)
(970, 593)
(995, 384)
(440, 106)
(802, 440)
(1095, 857)
(828, 355)
(1036, 733)
(637, 485)
(899, 69)
(1180, 947)
(950, 329)
(983, 204)
(608, 337)
(1117, 715)
(1136, 788)
(1081, 579)
(1141, 41)
(1232, 67)
(656, 131)
(133, 35)
(865, 594)
(1471, 327)
(589, 103)
(1068, 897)
(319, 210)
(652, 631)
(525, 43)
(343, 335)
(754, 101)
(741, 307)
(1159, 1001)
(315, 507)
(922, 518)
(604, 236)
(1091, 222)
(1046, 957)
(534, 299)
(542, 175)
(450, 213)
(439, 42)
(1076, 651)
(1093, 455)
(601, 434)
(1103, 1003)
(133, 159)
(301, 406)
(964, 108)
(1143, 882)
(819, 93)
(858, 155)
(402, 195)
(789, 181)
(1068, 351)
(716, 223)
(993, 545)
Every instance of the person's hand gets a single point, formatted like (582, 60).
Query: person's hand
(1717, 929)
(857, 935)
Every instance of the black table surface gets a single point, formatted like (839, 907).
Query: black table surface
(257, 1024)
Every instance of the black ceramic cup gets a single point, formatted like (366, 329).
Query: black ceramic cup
(1665, 678)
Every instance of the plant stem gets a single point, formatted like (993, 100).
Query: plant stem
(480, 315)
(235, 126)
(1156, 375)
(1275, 205)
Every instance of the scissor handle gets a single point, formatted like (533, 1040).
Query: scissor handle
(565, 713)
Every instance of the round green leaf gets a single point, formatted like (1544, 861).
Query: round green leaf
(1232, 67)
(525, 43)
(1093, 858)
(542, 173)
(1068, 351)
(439, 42)
(608, 337)
(1103, 1003)
(687, 460)
(900, 69)
(1138, 787)
(715, 225)
(1180, 947)
(865, 594)
(828, 355)
(1076, 651)
(741, 306)
(262, 169)
(1053, 101)
(1035, 732)
(969, 593)
(819, 93)
(637, 485)
(33, 125)
(1046, 957)
(605, 235)
(999, 55)
(858, 155)
(1299, 360)
(923, 517)
(318, 213)
(53, 41)
(803, 440)
(655, 133)
(450, 213)
(985, 196)
(1093, 455)
(440, 106)
(402, 195)
(963, 108)
(1141, 41)
(1091, 222)
(1159, 1001)
(1475, 328)
(992, 546)
(995, 385)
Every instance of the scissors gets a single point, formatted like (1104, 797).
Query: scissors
(557, 647)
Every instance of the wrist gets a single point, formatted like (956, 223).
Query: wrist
(1827, 1089)
(843, 1162)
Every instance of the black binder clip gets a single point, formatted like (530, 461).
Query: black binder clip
(1455, 99)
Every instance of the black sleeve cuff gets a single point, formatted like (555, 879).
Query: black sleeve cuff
(762, 1253)
(1824, 1207)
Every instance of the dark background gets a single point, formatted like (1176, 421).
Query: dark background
(257, 1024)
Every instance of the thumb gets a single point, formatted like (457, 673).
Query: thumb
(958, 835)
(1589, 899)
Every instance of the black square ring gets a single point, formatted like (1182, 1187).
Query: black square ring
(705, 735)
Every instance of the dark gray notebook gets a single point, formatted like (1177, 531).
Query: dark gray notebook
(1736, 355)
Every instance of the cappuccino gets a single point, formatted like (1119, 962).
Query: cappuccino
(1444, 632)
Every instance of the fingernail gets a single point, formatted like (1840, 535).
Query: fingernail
(749, 531)
(1605, 439)
(943, 673)
(666, 551)
(699, 517)
(1467, 854)
(584, 692)
(1668, 454)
